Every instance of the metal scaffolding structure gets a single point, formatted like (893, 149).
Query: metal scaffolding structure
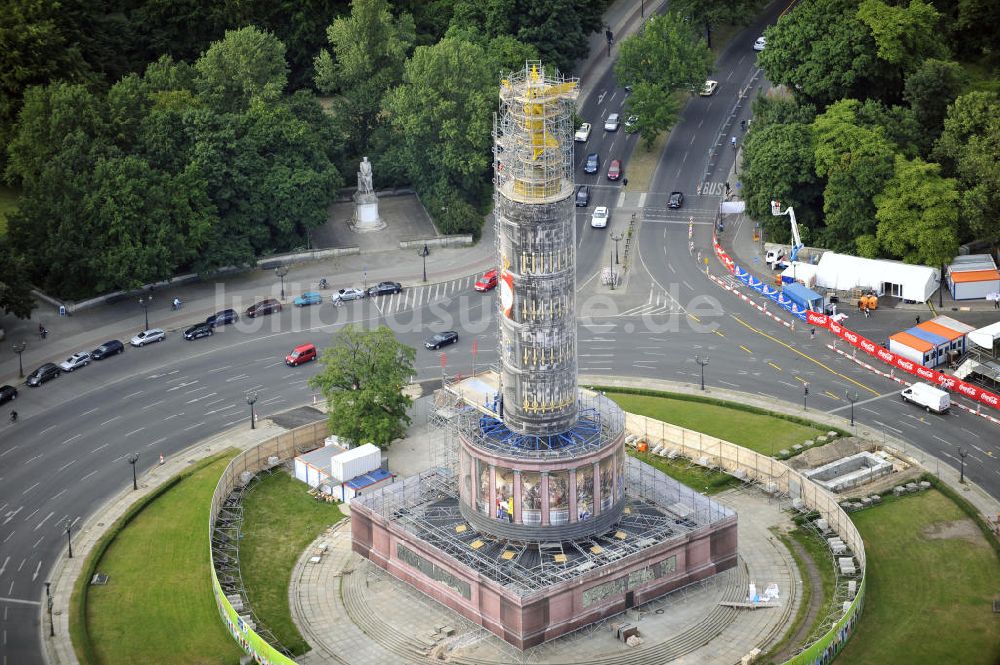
(659, 511)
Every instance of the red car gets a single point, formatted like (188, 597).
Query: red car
(615, 170)
(487, 282)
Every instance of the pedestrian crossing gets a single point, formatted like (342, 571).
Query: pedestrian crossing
(658, 303)
(421, 295)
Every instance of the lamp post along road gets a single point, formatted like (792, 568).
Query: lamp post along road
(69, 540)
(423, 253)
(702, 361)
(144, 302)
(19, 349)
(805, 396)
(281, 271)
(251, 397)
(617, 238)
(962, 454)
(852, 398)
(132, 459)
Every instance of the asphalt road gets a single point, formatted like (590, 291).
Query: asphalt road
(69, 452)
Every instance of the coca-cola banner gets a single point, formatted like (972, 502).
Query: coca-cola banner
(895, 360)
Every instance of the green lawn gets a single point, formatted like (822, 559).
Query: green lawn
(8, 202)
(279, 520)
(762, 433)
(929, 600)
(683, 471)
(158, 606)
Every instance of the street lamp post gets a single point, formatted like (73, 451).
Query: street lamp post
(132, 459)
(962, 454)
(805, 396)
(702, 361)
(642, 8)
(144, 302)
(611, 268)
(852, 398)
(617, 238)
(69, 541)
(19, 349)
(251, 397)
(424, 254)
(48, 601)
(281, 271)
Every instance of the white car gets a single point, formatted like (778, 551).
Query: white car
(599, 219)
(760, 43)
(81, 359)
(148, 337)
(611, 123)
(583, 133)
(709, 88)
(344, 295)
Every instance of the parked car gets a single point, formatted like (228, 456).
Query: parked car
(269, 306)
(344, 295)
(583, 133)
(760, 43)
(611, 123)
(599, 219)
(487, 282)
(385, 289)
(308, 298)
(7, 394)
(437, 340)
(110, 348)
(709, 88)
(593, 163)
(198, 330)
(631, 123)
(302, 353)
(148, 337)
(583, 196)
(222, 318)
(81, 359)
(676, 200)
(46, 372)
(615, 169)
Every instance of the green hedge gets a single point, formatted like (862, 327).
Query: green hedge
(79, 634)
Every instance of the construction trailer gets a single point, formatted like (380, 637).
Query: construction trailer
(843, 272)
(933, 342)
(973, 277)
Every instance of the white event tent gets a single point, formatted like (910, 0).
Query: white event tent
(844, 272)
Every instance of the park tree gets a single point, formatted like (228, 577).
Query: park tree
(929, 90)
(363, 376)
(856, 162)
(823, 51)
(666, 57)
(709, 15)
(918, 214)
(246, 64)
(904, 36)
(778, 164)
(969, 148)
(898, 124)
(368, 50)
(15, 287)
(442, 113)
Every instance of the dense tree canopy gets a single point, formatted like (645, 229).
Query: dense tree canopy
(363, 376)
(664, 58)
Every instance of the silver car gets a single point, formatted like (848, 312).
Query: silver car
(81, 359)
(148, 337)
(344, 295)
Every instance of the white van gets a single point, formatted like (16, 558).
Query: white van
(927, 396)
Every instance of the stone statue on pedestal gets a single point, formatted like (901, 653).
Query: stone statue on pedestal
(366, 217)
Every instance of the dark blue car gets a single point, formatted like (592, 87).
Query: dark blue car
(593, 164)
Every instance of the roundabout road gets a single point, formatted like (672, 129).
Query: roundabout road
(68, 453)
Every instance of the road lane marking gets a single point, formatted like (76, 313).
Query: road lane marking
(42, 523)
(807, 357)
(773, 365)
(746, 349)
(100, 448)
(135, 431)
(72, 438)
(67, 464)
(879, 422)
(150, 406)
(88, 475)
(138, 392)
(110, 420)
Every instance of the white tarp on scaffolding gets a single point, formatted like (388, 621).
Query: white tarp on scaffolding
(844, 272)
(986, 337)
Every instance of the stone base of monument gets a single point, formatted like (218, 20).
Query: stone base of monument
(366, 217)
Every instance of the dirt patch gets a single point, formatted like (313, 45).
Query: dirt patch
(964, 529)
